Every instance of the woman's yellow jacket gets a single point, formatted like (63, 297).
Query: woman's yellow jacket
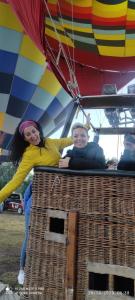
(33, 156)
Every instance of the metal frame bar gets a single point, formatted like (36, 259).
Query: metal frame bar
(116, 130)
(106, 101)
(69, 119)
(102, 101)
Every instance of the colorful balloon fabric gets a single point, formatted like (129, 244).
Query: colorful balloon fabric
(98, 37)
(105, 27)
(28, 87)
(88, 43)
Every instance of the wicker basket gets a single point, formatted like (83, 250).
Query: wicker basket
(105, 208)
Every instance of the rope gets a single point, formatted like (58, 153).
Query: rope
(55, 182)
(71, 61)
(77, 100)
(72, 83)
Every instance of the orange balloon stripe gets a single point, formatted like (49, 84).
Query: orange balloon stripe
(109, 21)
(67, 9)
(130, 25)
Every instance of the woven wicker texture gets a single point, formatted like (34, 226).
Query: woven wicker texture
(106, 229)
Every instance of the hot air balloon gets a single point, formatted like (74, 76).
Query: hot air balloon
(28, 87)
(88, 43)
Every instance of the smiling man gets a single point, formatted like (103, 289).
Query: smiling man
(84, 155)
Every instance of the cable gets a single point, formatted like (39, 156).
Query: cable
(77, 100)
(72, 83)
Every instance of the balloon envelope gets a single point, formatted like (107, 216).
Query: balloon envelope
(28, 87)
(88, 43)
(98, 39)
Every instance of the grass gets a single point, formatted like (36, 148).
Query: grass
(11, 237)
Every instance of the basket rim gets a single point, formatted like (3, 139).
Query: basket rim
(95, 172)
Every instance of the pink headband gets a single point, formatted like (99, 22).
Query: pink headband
(26, 124)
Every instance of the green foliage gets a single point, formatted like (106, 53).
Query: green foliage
(7, 171)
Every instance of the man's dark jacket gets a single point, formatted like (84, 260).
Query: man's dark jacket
(89, 157)
(127, 161)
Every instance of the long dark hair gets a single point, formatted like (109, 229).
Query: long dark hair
(18, 144)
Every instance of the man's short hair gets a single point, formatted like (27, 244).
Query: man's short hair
(79, 125)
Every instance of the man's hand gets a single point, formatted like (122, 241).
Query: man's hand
(64, 162)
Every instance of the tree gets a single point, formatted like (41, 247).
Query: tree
(7, 170)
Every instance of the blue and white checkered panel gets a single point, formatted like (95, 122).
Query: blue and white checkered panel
(28, 88)
(16, 91)
(44, 98)
(4, 99)
(56, 112)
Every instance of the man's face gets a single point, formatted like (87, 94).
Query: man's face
(80, 137)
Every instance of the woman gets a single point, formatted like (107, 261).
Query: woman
(84, 155)
(30, 149)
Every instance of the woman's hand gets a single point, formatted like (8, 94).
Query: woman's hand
(64, 162)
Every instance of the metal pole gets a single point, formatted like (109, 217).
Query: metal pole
(69, 119)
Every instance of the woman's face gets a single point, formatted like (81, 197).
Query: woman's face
(80, 137)
(32, 135)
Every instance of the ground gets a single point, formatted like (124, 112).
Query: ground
(11, 237)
